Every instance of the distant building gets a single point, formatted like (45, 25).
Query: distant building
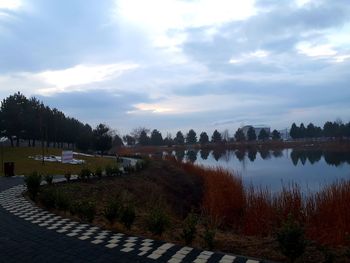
(257, 129)
(285, 134)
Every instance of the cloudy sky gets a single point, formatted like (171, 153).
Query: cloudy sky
(170, 65)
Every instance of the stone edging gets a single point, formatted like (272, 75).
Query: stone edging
(13, 201)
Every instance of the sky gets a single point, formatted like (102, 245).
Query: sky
(176, 65)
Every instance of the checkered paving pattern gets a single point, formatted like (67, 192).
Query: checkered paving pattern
(13, 201)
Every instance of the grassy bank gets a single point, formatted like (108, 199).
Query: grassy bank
(241, 220)
(25, 165)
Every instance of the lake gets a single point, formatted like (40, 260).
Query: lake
(311, 169)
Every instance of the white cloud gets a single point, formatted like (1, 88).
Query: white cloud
(316, 51)
(66, 79)
(10, 4)
(257, 54)
(157, 17)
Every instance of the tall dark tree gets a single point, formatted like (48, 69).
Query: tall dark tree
(263, 135)
(294, 131)
(102, 138)
(203, 138)
(85, 138)
(13, 110)
(251, 134)
(216, 137)
(179, 139)
(276, 135)
(191, 137)
(143, 138)
(156, 138)
(302, 131)
(239, 135)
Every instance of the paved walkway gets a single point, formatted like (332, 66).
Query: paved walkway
(30, 234)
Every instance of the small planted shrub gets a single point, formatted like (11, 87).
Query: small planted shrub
(210, 228)
(98, 172)
(85, 173)
(48, 179)
(128, 215)
(86, 210)
(112, 211)
(68, 176)
(115, 170)
(291, 239)
(48, 198)
(157, 221)
(33, 182)
(109, 170)
(62, 201)
(189, 230)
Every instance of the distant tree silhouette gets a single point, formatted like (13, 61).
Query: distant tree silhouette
(216, 137)
(263, 135)
(203, 138)
(294, 131)
(143, 138)
(251, 134)
(179, 139)
(191, 137)
(156, 138)
(239, 135)
(276, 135)
(102, 138)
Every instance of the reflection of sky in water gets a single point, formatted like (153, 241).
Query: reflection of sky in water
(275, 171)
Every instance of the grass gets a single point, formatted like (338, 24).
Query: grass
(25, 166)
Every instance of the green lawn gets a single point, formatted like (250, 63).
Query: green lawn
(24, 165)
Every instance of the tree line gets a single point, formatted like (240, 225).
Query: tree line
(336, 129)
(32, 121)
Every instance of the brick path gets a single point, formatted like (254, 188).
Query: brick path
(30, 234)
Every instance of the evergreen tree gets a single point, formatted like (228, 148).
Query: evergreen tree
(276, 135)
(143, 138)
(294, 131)
(191, 137)
(216, 137)
(251, 134)
(179, 139)
(263, 135)
(203, 138)
(239, 135)
(102, 138)
(302, 131)
(156, 138)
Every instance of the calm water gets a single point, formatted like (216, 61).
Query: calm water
(310, 169)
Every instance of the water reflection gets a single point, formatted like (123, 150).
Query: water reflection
(252, 155)
(191, 155)
(180, 154)
(297, 157)
(273, 168)
(205, 153)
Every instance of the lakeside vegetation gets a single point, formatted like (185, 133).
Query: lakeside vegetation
(211, 208)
